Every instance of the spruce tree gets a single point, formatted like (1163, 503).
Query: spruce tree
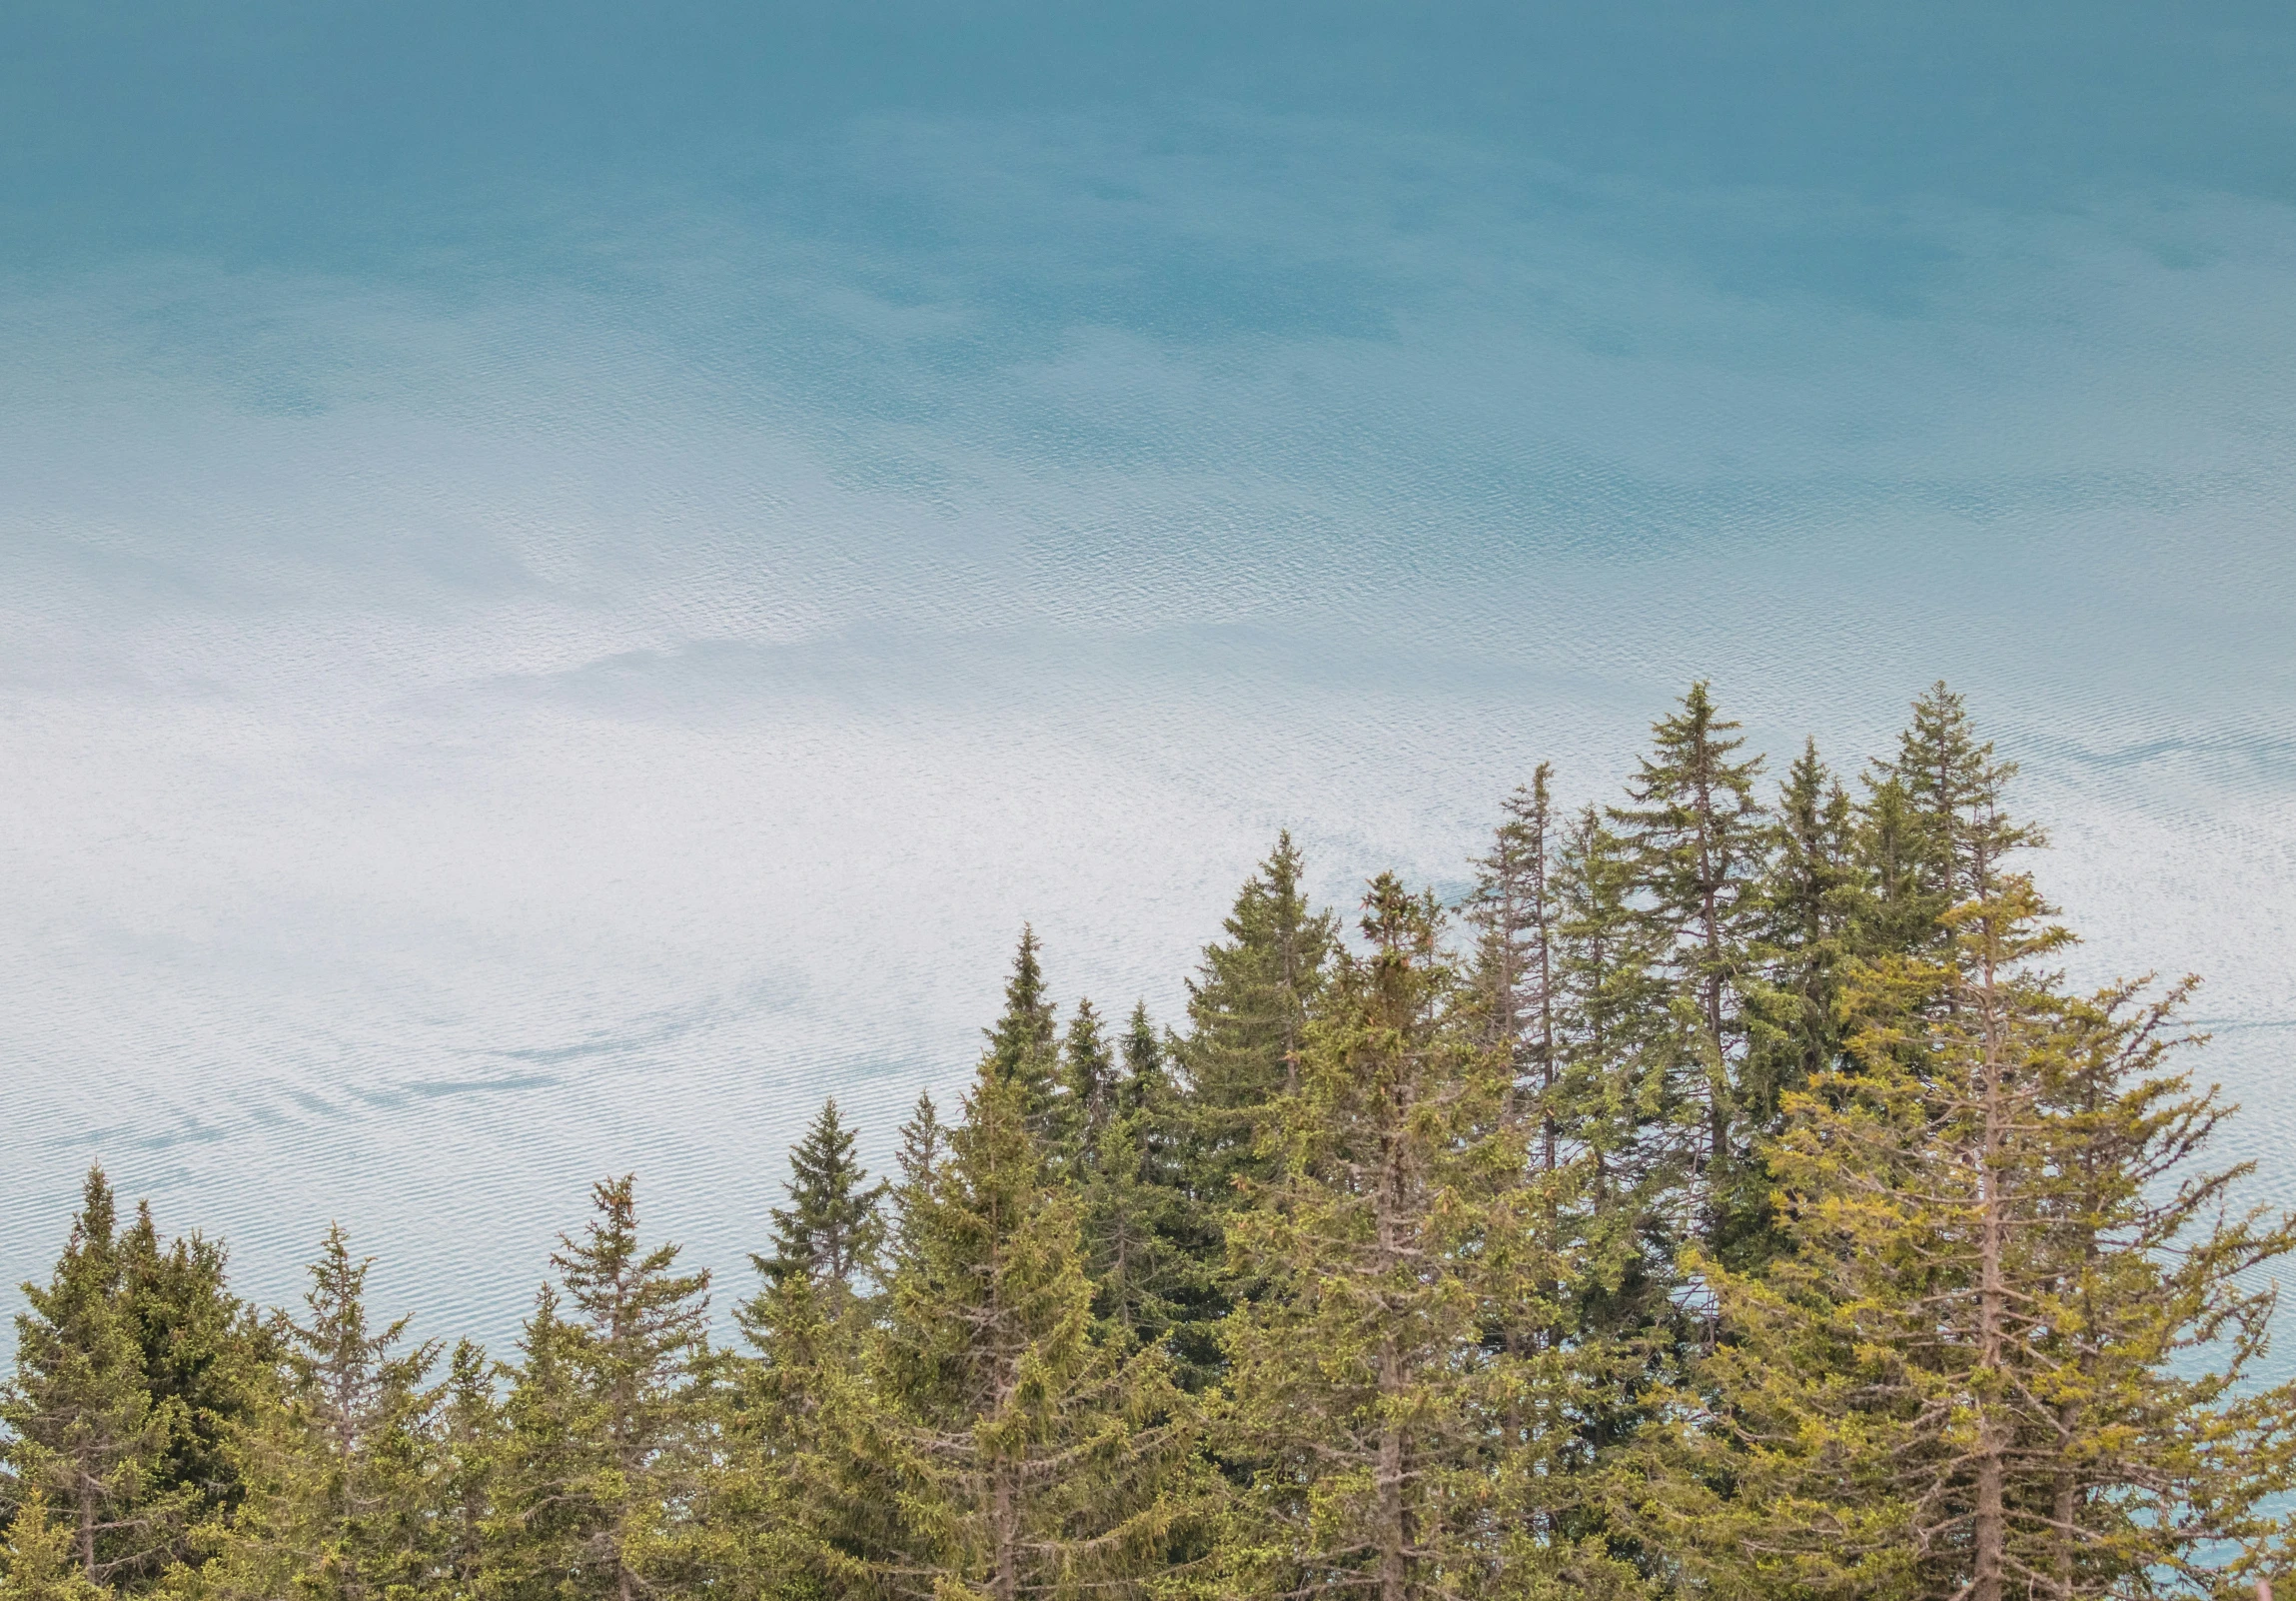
(1400, 1453)
(1810, 904)
(1953, 787)
(609, 1420)
(83, 1429)
(1624, 1104)
(1697, 833)
(339, 1504)
(538, 1544)
(38, 1562)
(1023, 1456)
(205, 1355)
(923, 1142)
(923, 1146)
(1248, 1007)
(1145, 1074)
(783, 1514)
(1023, 1048)
(1145, 1236)
(786, 1515)
(1087, 1089)
(1895, 913)
(832, 1229)
(1516, 910)
(469, 1441)
(1975, 1370)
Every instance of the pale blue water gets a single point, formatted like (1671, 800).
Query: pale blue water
(568, 575)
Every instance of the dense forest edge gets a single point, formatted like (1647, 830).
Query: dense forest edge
(1727, 1198)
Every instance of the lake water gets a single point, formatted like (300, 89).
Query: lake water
(571, 574)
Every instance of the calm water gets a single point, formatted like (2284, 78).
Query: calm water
(570, 574)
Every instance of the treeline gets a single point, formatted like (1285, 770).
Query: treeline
(1727, 1199)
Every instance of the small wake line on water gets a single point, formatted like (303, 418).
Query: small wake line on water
(393, 1095)
(480, 1087)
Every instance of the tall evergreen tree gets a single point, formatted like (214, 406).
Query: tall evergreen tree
(340, 1503)
(608, 1420)
(205, 1355)
(1025, 1457)
(832, 1228)
(1895, 913)
(1953, 787)
(1809, 905)
(1146, 1238)
(1698, 833)
(1087, 1089)
(1972, 1373)
(1145, 1073)
(1248, 1007)
(539, 1543)
(786, 1514)
(1402, 1455)
(1621, 1103)
(83, 1429)
(1516, 910)
(470, 1442)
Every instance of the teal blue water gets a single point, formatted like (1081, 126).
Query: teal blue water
(571, 574)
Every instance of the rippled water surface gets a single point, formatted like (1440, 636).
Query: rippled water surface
(569, 576)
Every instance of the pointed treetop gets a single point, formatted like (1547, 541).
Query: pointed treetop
(1023, 1048)
(95, 1226)
(923, 1138)
(1143, 1052)
(1087, 1075)
(831, 1230)
(1956, 786)
(625, 1292)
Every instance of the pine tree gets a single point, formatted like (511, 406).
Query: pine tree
(1809, 931)
(1973, 1371)
(1023, 1048)
(83, 1429)
(1023, 1455)
(339, 1504)
(38, 1562)
(832, 1229)
(1403, 1454)
(923, 1146)
(1697, 833)
(609, 1419)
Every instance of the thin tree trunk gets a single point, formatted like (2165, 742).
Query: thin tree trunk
(2064, 1513)
(87, 1498)
(1992, 1299)
(1393, 1574)
(1006, 1513)
(1393, 1535)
